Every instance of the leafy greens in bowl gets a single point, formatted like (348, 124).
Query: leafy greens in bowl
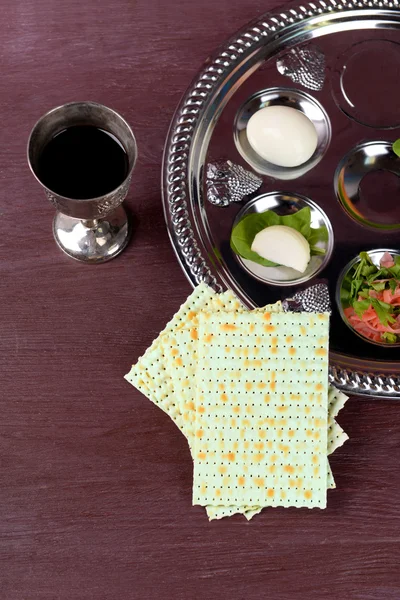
(277, 218)
(368, 296)
(245, 231)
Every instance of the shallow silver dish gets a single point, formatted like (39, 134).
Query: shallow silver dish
(292, 98)
(352, 80)
(375, 256)
(201, 132)
(365, 159)
(284, 204)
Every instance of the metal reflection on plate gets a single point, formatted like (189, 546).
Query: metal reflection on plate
(227, 183)
(305, 65)
(364, 83)
(364, 159)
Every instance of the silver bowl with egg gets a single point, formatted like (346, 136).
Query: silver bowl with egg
(284, 204)
(284, 97)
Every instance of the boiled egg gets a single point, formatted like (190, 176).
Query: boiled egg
(282, 135)
(283, 245)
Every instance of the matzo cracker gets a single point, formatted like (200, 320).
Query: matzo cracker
(270, 451)
(149, 374)
(170, 385)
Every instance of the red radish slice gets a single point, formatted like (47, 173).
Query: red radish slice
(387, 261)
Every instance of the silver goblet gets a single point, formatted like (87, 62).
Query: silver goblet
(92, 230)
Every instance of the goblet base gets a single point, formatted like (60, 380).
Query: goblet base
(93, 241)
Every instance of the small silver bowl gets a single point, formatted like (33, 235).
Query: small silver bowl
(375, 256)
(283, 97)
(284, 204)
(367, 157)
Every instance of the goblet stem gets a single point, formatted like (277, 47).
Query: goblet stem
(94, 240)
(91, 224)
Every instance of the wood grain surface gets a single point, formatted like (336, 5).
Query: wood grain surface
(95, 482)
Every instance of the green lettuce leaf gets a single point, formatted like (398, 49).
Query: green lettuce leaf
(245, 231)
(395, 271)
(396, 147)
(318, 235)
(316, 251)
(383, 311)
(364, 277)
(360, 306)
(378, 286)
(389, 337)
(392, 285)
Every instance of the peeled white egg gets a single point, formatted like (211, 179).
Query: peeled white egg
(284, 246)
(282, 135)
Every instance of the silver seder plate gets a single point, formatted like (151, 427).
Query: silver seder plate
(346, 55)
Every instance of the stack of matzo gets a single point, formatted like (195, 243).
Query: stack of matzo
(249, 390)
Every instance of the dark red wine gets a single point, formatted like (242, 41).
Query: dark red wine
(83, 162)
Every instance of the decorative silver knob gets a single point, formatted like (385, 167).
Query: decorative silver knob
(227, 183)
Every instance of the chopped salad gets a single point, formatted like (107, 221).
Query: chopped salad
(370, 296)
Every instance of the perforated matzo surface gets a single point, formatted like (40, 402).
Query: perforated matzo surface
(149, 374)
(180, 344)
(242, 355)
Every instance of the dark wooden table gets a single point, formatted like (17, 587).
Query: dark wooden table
(95, 482)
